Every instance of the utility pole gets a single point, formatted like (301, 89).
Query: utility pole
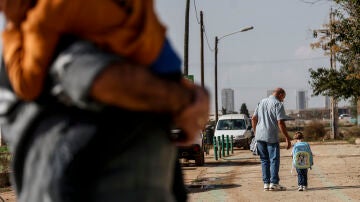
(333, 102)
(186, 39)
(216, 93)
(202, 48)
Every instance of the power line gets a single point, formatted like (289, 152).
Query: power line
(207, 40)
(311, 2)
(270, 61)
(206, 36)
(197, 18)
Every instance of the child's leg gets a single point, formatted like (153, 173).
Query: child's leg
(299, 176)
(301, 180)
(302, 177)
(305, 171)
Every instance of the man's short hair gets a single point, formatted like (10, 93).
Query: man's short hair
(279, 91)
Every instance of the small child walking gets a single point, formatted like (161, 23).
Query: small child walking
(302, 160)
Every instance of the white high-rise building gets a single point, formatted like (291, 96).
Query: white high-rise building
(327, 102)
(227, 99)
(301, 99)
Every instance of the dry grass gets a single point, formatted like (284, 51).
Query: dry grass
(319, 130)
(350, 134)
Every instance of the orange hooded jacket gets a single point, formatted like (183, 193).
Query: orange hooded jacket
(132, 31)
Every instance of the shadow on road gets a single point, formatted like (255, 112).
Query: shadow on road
(334, 187)
(222, 163)
(187, 167)
(203, 188)
(231, 163)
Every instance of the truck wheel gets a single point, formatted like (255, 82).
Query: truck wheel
(200, 160)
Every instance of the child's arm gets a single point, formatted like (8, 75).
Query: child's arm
(29, 48)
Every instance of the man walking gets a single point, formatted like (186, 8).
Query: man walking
(268, 118)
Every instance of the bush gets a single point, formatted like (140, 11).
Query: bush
(5, 158)
(4, 167)
(350, 134)
(315, 130)
(4, 149)
(294, 128)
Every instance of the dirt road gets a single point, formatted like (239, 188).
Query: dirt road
(334, 177)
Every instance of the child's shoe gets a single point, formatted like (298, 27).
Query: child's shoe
(304, 188)
(300, 188)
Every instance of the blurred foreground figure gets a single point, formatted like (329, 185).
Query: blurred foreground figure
(129, 28)
(100, 128)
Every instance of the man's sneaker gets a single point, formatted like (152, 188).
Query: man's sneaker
(276, 187)
(304, 188)
(300, 188)
(266, 187)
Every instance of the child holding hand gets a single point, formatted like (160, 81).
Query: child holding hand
(302, 160)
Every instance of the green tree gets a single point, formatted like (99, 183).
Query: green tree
(244, 110)
(345, 82)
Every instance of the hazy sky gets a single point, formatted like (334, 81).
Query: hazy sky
(275, 53)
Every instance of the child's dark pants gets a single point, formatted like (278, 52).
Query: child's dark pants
(302, 176)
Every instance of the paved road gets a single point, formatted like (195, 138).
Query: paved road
(334, 177)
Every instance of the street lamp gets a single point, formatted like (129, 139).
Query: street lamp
(217, 39)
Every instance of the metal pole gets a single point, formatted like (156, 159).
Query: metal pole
(215, 148)
(186, 39)
(219, 147)
(222, 145)
(216, 91)
(333, 113)
(202, 48)
(227, 145)
(232, 144)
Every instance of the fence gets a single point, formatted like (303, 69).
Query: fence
(222, 146)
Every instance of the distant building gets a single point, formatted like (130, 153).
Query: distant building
(327, 102)
(227, 99)
(301, 100)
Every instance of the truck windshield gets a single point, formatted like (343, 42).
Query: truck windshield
(231, 124)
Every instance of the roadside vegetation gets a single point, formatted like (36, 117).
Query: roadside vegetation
(4, 167)
(319, 131)
(340, 40)
(4, 159)
(4, 149)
